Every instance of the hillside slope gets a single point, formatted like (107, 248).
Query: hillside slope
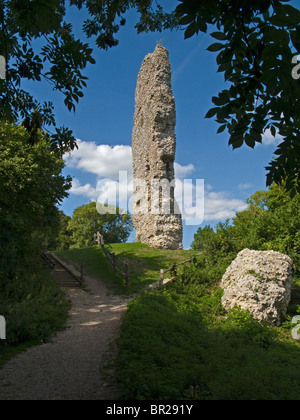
(145, 264)
(179, 342)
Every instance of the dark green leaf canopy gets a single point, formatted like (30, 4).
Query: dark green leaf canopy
(257, 47)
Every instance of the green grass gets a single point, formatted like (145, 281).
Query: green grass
(35, 308)
(179, 343)
(144, 264)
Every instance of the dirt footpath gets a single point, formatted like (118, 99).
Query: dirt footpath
(70, 367)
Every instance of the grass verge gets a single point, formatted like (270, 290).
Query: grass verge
(34, 307)
(180, 344)
(144, 264)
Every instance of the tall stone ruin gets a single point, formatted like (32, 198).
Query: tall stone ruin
(156, 215)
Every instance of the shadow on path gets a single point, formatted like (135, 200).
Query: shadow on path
(70, 367)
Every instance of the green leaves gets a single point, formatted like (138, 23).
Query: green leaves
(31, 187)
(285, 16)
(219, 35)
(63, 141)
(255, 43)
(211, 113)
(68, 57)
(36, 17)
(191, 30)
(215, 47)
(256, 59)
(287, 157)
(88, 219)
(192, 13)
(59, 59)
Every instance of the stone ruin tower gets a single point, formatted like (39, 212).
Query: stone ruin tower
(156, 215)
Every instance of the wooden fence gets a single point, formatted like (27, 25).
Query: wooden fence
(112, 258)
(172, 269)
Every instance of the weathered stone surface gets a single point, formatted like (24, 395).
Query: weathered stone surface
(156, 216)
(260, 281)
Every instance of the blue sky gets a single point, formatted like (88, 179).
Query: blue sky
(103, 121)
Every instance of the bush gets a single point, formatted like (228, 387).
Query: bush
(271, 221)
(180, 343)
(157, 347)
(204, 270)
(33, 305)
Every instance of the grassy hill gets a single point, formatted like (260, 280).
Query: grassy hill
(179, 343)
(144, 264)
(35, 308)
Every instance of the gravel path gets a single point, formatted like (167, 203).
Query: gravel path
(69, 367)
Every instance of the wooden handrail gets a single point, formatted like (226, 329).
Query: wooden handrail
(172, 268)
(112, 258)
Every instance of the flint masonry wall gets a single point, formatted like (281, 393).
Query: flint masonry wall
(156, 215)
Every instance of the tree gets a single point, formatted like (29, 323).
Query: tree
(215, 241)
(203, 237)
(86, 221)
(275, 226)
(271, 222)
(257, 44)
(254, 227)
(64, 236)
(38, 44)
(32, 187)
(58, 58)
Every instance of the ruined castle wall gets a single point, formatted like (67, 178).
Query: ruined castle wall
(153, 148)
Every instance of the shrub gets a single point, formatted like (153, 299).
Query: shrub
(33, 305)
(180, 343)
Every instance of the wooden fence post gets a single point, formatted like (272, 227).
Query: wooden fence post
(101, 240)
(161, 280)
(98, 238)
(114, 259)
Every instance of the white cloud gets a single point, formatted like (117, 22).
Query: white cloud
(182, 172)
(116, 193)
(84, 190)
(102, 160)
(106, 162)
(219, 206)
(245, 186)
(269, 140)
